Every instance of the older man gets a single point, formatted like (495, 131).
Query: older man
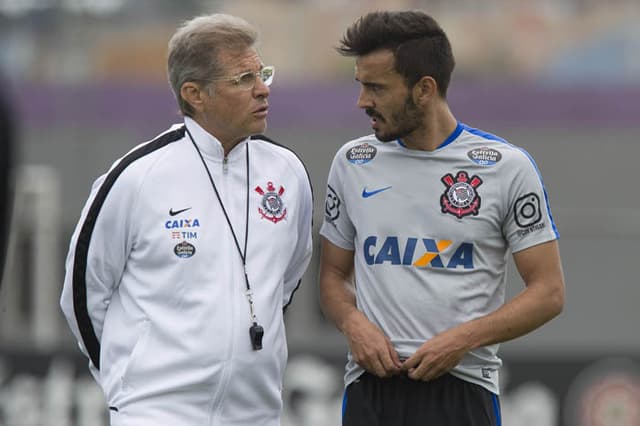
(191, 246)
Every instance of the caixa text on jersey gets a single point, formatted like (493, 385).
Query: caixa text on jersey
(182, 223)
(418, 252)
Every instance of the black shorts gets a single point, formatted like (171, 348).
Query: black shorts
(401, 401)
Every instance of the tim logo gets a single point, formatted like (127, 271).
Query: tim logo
(418, 252)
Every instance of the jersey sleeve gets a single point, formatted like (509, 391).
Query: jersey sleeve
(337, 226)
(528, 217)
(95, 262)
(302, 252)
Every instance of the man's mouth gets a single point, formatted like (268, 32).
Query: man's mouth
(261, 111)
(375, 117)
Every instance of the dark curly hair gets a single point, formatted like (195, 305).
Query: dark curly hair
(420, 47)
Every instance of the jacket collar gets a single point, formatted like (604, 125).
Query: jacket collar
(209, 145)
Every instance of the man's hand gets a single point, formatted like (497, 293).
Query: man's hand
(541, 300)
(370, 348)
(436, 356)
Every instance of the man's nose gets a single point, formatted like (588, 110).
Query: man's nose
(364, 101)
(261, 89)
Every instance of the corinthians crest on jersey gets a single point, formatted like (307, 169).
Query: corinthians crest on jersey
(272, 207)
(460, 197)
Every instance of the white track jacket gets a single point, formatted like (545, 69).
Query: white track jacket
(155, 289)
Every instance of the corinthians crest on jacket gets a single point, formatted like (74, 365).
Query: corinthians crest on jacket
(272, 207)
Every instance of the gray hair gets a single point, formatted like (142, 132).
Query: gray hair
(195, 47)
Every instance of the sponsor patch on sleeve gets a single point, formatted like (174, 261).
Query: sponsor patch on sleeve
(527, 214)
(331, 205)
(484, 156)
(361, 154)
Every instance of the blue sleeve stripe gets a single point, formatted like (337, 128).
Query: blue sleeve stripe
(544, 191)
(483, 134)
(535, 166)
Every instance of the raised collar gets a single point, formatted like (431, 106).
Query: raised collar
(209, 145)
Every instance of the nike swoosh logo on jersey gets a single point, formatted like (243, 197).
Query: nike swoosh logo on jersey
(367, 194)
(175, 212)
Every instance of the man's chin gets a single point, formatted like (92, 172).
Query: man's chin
(259, 127)
(385, 137)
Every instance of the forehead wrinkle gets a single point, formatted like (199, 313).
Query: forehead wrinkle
(240, 62)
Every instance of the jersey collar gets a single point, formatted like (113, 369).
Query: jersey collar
(456, 132)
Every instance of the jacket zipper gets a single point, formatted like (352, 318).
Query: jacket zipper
(219, 396)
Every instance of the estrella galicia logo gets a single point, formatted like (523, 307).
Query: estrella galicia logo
(331, 205)
(418, 252)
(484, 156)
(184, 250)
(361, 154)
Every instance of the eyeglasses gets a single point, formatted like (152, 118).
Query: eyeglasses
(247, 80)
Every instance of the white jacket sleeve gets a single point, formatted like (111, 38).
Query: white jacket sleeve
(302, 252)
(97, 254)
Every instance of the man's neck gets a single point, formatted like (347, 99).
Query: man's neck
(227, 142)
(439, 125)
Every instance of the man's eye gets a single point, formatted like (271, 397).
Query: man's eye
(246, 78)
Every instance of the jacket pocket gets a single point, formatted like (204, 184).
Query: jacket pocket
(137, 353)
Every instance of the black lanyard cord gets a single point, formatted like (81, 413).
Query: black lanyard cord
(243, 254)
(255, 331)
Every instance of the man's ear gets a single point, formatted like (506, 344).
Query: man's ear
(425, 90)
(193, 94)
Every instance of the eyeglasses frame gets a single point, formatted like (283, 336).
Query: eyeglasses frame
(257, 74)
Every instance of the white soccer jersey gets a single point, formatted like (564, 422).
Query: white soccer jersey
(431, 232)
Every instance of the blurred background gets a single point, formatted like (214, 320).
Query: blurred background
(86, 81)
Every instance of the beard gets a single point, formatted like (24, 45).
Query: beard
(402, 122)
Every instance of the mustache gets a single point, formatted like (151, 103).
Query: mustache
(373, 114)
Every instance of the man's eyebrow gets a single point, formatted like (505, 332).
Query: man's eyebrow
(370, 83)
